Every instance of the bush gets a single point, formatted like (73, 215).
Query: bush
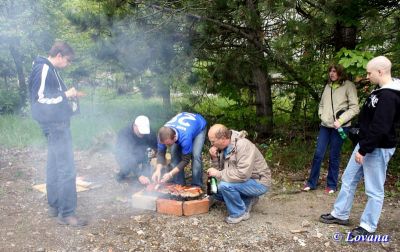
(9, 101)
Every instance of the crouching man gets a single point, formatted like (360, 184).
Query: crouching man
(241, 169)
(131, 150)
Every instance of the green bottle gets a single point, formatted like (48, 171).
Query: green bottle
(342, 133)
(214, 186)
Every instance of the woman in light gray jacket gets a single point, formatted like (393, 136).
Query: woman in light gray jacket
(338, 105)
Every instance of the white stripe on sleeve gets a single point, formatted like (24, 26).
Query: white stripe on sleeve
(42, 98)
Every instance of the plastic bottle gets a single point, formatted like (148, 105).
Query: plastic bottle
(342, 133)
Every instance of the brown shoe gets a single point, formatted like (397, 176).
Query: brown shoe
(72, 220)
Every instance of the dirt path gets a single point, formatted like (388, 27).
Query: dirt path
(282, 221)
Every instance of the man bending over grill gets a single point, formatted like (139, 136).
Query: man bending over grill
(131, 150)
(185, 134)
(241, 169)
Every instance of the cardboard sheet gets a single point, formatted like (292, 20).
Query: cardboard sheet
(81, 186)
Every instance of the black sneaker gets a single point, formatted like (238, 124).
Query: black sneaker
(329, 219)
(359, 231)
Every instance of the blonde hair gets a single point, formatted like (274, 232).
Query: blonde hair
(380, 63)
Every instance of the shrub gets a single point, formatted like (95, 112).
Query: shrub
(9, 101)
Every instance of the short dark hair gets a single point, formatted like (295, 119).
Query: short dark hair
(165, 133)
(61, 47)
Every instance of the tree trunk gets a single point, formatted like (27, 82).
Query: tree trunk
(263, 102)
(259, 73)
(296, 108)
(21, 77)
(166, 97)
(345, 37)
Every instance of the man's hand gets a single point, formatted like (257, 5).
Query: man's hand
(144, 180)
(359, 158)
(212, 172)
(167, 177)
(213, 152)
(337, 124)
(70, 93)
(156, 175)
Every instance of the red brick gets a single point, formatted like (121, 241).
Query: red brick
(193, 207)
(167, 206)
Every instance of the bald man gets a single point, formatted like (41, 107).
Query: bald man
(241, 170)
(370, 158)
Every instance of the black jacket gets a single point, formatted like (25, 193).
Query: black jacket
(130, 149)
(47, 93)
(378, 118)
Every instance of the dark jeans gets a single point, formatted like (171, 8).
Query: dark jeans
(138, 167)
(60, 171)
(197, 161)
(331, 137)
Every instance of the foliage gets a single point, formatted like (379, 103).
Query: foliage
(218, 109)
(19, 131)
(294, 156)
(103, 115)
(354, 61)
(9, 101)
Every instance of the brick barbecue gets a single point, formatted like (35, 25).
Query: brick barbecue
(172, 199)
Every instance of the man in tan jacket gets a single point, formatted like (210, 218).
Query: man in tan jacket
(241, 169)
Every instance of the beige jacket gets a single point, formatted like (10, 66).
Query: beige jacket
(245, 161)
(344, 98)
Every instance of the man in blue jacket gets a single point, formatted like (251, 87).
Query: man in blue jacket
(378, 119)
(185, 134)
(51, 108)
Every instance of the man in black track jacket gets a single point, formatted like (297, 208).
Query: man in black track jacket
(50, 106)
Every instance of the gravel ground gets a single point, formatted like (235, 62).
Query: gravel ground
(283, 220)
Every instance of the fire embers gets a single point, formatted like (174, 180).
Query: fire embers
(174, 191)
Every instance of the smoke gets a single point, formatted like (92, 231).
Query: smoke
(113, 53)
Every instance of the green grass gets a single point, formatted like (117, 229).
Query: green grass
(17, 131)
(100, 114)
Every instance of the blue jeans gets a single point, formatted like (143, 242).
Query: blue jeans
(237, 196)
(60, 171)
(197, 161)
(327, 136)
(374, 172)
